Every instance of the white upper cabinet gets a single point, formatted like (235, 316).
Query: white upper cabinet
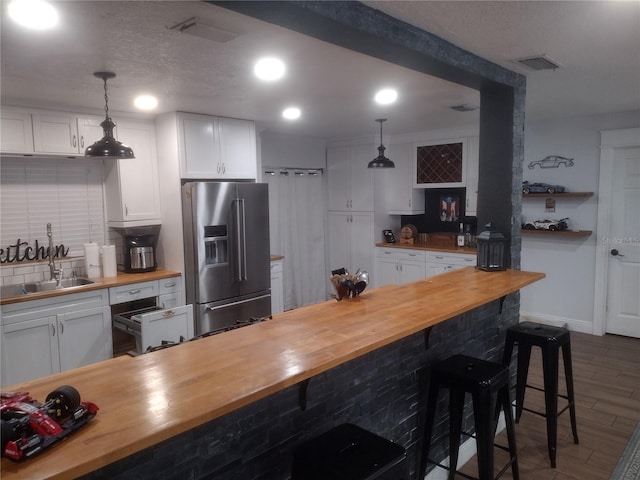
(64, 133)
(198, 146)
(350, 182)
(216, 148)
(402, 198)
(131, 184)
(16, 132)
(238, 148)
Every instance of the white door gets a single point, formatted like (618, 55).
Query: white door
(623, 282)
(411, 272)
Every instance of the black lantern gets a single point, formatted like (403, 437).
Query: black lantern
(491, 250)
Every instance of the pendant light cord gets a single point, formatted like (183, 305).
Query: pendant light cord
(106, 99)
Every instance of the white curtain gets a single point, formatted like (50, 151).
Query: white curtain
(296, 224)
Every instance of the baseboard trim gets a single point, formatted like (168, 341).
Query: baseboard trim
(574, 325)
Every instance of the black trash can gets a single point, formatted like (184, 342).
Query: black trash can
(348, 452)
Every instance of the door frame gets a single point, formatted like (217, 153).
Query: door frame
(610, 141)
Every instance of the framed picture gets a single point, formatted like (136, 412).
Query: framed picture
(449, 208)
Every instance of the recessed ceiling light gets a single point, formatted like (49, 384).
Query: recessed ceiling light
(145, 102)
(269, 69)
(386, 96)
(34, 14)
(291, 113)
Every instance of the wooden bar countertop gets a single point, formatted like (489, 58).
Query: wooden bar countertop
(147, 399)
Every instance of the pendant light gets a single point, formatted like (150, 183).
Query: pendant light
(108, 146)
(381, 161)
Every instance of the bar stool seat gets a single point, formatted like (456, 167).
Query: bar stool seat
(488, 384)
(550, 340)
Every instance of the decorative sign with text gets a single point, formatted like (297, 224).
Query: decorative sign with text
(23, 252)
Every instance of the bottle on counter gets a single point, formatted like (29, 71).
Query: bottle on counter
(460, 236)
(467, 235)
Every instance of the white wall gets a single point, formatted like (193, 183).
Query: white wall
(566, 294)
(280, 150)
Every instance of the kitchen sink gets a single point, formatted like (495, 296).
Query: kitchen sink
(7, 291)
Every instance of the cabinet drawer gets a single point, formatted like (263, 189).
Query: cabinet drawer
(397, 254)
(136, 291)
(169, 285)
(452, 259)
(276, 267)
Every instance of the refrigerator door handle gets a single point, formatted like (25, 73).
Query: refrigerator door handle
(244, 240)
(239, 302)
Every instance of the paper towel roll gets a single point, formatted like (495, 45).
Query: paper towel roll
(92, 260)
(109, 267)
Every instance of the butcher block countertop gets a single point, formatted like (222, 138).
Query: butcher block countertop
(147, 399)
(103, 282)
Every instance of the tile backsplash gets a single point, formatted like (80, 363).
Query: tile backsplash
(37, 271)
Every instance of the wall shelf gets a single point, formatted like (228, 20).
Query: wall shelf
(558, 195)
(561, 233)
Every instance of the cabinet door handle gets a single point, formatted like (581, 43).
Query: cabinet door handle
(169, 285)
(400, 267)
(126, 210)
(53, 330)
(468, 259)
(134, 292)
(61, 328)
(81, 141)
(224, 168)
(74, 141)
(439, 257)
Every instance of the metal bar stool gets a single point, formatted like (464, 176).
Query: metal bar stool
(550, 340)
(488, 384)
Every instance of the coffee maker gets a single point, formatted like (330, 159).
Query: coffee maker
(140, 248)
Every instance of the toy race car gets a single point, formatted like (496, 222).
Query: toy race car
(28, 427)
(552, 225)
(528, 188)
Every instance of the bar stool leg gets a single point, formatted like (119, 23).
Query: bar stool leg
(456, 407)
(505, 401)
(484, 407)
(568, 374)
(524, 355)
(432, 400)
(550, 373)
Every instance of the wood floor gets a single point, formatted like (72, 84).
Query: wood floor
(606, 373)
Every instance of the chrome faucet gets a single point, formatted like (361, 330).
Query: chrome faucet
(54, 273)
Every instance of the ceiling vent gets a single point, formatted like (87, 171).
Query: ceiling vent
(538, 62)
(195, 27)
(464, 107)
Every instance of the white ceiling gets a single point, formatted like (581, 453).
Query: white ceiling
(597, 42)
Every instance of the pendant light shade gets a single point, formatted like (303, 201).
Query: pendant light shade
(108, 146)
(381, 161)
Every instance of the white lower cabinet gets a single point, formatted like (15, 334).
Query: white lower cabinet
(42, 337)
(277, 287)
(444, 262)
(397, 267)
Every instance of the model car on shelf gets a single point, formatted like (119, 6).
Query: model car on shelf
(28, 427)
(551, 225)
(528, 188)
(552, 161)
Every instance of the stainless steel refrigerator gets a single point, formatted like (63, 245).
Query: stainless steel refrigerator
(226, 242)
